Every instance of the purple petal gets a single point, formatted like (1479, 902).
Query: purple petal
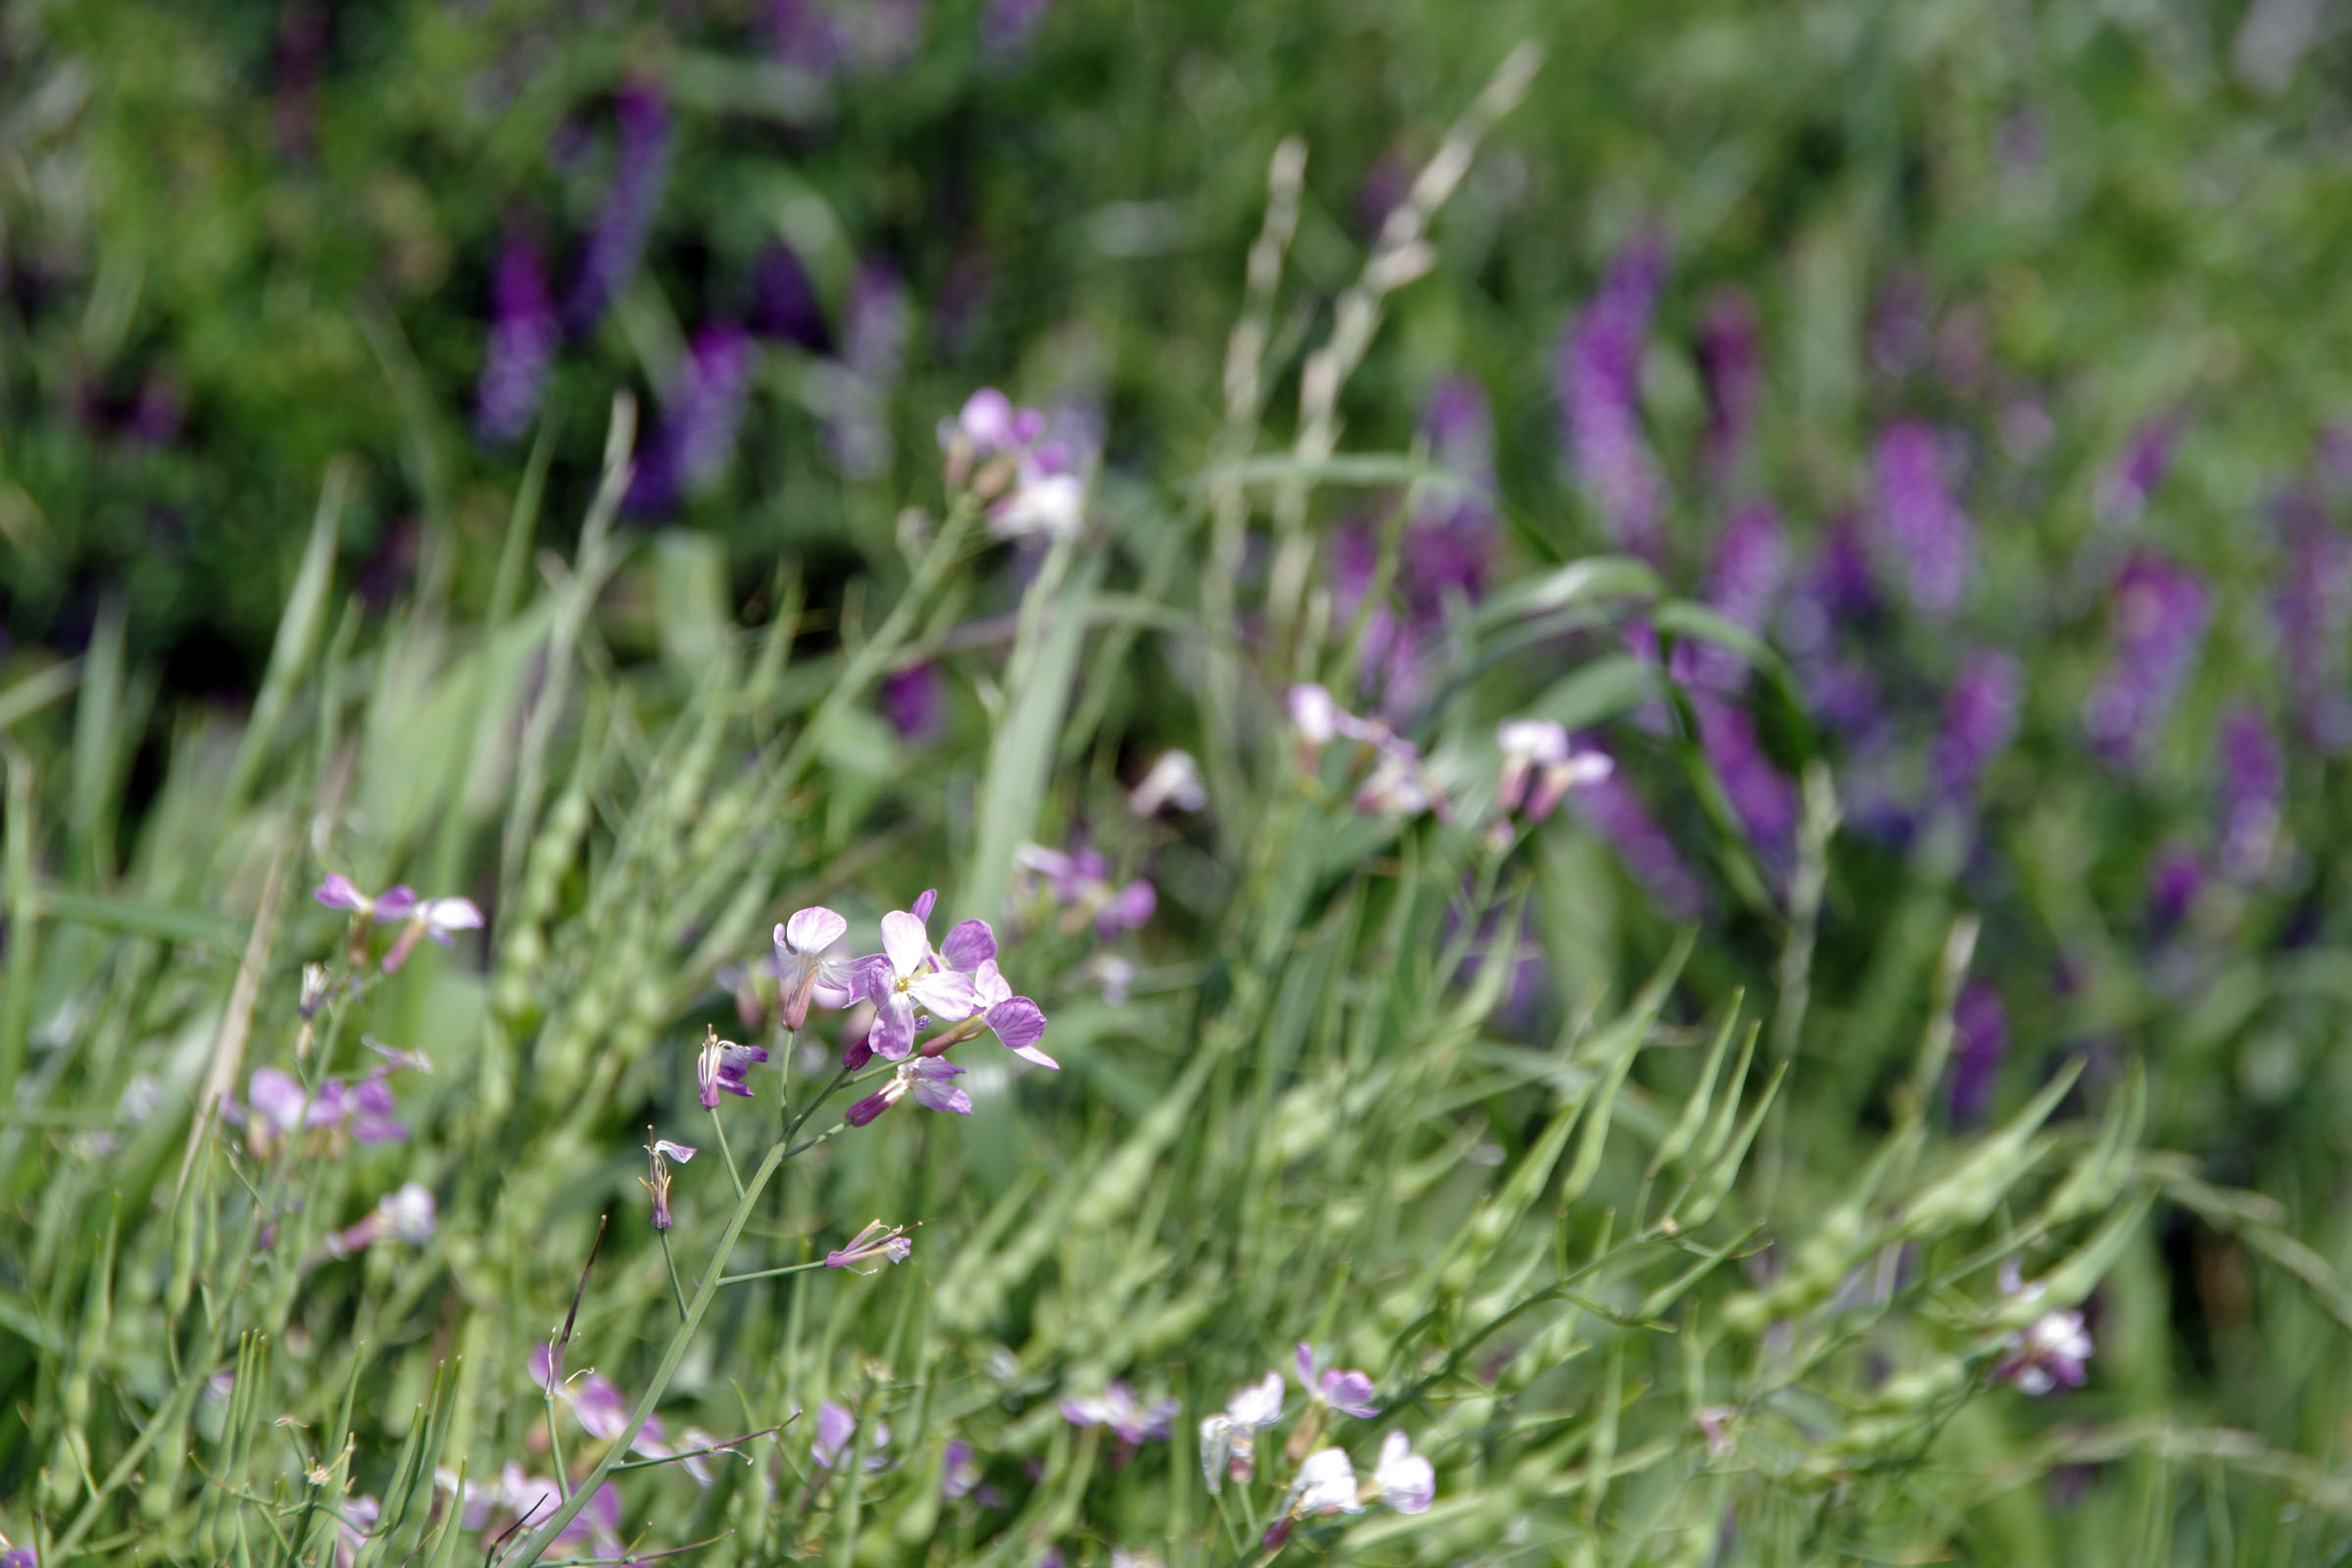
(812, 931)
(948, 997)
(893, 1033)
(1022, 1023)
(967, 947)
(941, 1097)
(397, 903)
(337, 892)
(866, 1110)
(923, 906)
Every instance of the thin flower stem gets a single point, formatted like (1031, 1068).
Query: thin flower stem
(802, 1149)
(678, 1293)
(794, 1126)
(728, 1153)
(771, 1273)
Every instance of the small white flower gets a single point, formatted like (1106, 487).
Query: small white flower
(1404, 1480)
(1326, 1484)
(409, 1212)
(1174, 780)
(1229, 1438)
(1048, 505)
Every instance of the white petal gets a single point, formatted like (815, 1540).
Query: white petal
(906, 940)
(811, 930)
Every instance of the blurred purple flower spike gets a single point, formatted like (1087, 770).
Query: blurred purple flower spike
(1979, 1042)
(2313, 608)
(2124, 489)
(2156, 628)
(1924, 534)
(1006, 26)
(1729, 358)
(1980, 720)
(522, 344)
(2253, 795)
(785, 307)
(1598, 375)
(1617, 814)
(639, 174)
(698, 429)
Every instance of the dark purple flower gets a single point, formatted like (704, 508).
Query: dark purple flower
(1734, 368)
(2253, 792)
(1451, 537)
(2124, 489)
(1761, 795)
(697, 439)
(722, 1065)
(1744, 586)
(1980, 720)
(521, 345)
(914, 700)
(2175, 878)
(1348, 1392)
(785, 307)
(2156, 626)
(1920, 529)
(1598, 375)
(639, 174)
(1617, 814)
(1980, 1041)
(2314, 612)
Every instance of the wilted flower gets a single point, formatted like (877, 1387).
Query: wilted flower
(1173, 780)
(2157, 625)
(1117, 1408)
(835, 1427)
(875, 1245)
(721, 1066)
(1228, 1437)
(657, 1186)
(1402, 1479)
(1923, 531)
(931, 1080)
(1598, 379)
(804, 972)
(1348, 1392)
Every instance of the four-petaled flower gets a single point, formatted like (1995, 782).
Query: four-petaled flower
(1404, 1479)
(1347, 1392)
(1324, 1485)
(395, 903)
(874, 1245)
(720, 1067)
(1228, 1437)
(661, 1154)
(930, 1079)
(807, 975)
(1016, 1021)
(912, 982)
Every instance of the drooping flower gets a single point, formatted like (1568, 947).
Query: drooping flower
(1129, 1419)
(1173, 780)
(1403, 1479)
(931, 1080)
(1598, 379)
(803, 971)
(2253, 795)
(1980, 720)
(1348, 1392)
(657, 1186)
(1924, 536)
(1228, 1437)
(909, 983)
(2156, 626)
(639, 174)
(721, 1066)
(878, 1244)
(522, 344)
(1979, 1042)
(836, 1425)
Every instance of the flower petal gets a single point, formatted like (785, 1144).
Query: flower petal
(967, 947)
(922, 906)
(395, 903)
(906, 940)
(1022, 1023)
(941, 1097)
(948, 996)
(893, 1034)
(337, 892)
(811, 931)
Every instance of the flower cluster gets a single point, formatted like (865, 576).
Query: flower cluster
(1399, 783)
(518, 1501)
(1598, 377)
(1008, 463)
(277, 1107)
(1078, 882)
(602, 1413)
(438, 918)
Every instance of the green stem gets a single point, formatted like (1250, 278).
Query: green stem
(771, 1273)
(726, 1152)
(676, 1291)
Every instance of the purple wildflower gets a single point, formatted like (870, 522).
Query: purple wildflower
(375, 1116)
(874, 330)
(785, 307)
(2048, 1351)
(876, 1244)
(2313, 608)
(522, 344)
(2124, 489)
(1537, 752)
(1079, 880)
(396, 903)
(958, 1471)
(2156, 626)
(931, 1080)
(1728, 357)
(1018, 1022)
(835, 1427)
(354, 1519)
(911, 982)
(1449, 546)
(698, 429)
(2253, 791)
(1129, 1419)
(438, 918)
(1173, 780)
(406, 1214)
(805, 37)
(721, 1066)
(2175, 878)
(639, 174)
(1761, 795)
(1925, 535)
(1617, 814)
(914, 700)
(1980, 1040)
(1006, 25)
(1598, 377)
(803, 971)
(1744, 586)
(1348, 1392)
(1980, 720)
